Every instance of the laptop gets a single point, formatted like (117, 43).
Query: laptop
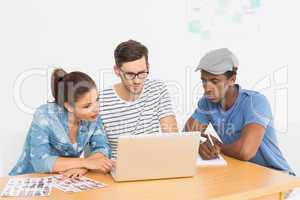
(156, 156)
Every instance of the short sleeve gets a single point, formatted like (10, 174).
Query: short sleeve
(98, 140)
(201, 112)
(258, 110)
(40, 148)
(165, 104)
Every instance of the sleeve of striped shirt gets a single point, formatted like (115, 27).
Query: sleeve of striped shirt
(165, 104)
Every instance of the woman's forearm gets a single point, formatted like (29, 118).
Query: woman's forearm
(63, 164)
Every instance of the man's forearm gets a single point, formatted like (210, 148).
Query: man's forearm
(193, 125)
(232, 150)
(169, 124)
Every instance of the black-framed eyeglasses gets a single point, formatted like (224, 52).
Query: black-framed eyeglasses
(131, 75)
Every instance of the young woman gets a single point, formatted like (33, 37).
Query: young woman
(61, 130)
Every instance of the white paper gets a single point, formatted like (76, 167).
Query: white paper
(24, 187)
(76, 185)
(214, 162)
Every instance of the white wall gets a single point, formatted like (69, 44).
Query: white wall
(37, 35)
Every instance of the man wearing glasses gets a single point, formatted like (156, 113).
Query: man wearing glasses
(136, 105)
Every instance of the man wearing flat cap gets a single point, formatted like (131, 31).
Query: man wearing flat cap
(242, 118)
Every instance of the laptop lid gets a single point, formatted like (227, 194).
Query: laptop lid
(156, 156)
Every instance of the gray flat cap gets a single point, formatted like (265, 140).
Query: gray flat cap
(218, 61)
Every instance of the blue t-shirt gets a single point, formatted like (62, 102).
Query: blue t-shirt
(48, 139)
(249, 107)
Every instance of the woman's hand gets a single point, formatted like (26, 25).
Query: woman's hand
(103, 164)
(74, 173)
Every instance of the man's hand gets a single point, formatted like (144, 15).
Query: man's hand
(208, 151)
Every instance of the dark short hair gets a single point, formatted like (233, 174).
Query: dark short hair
(128, 51)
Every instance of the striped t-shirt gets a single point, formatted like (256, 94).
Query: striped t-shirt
(142, 116)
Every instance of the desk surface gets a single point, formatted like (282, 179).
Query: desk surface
(238, 180)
